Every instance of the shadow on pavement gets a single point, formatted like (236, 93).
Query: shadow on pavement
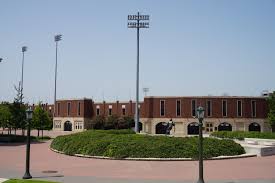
(47, 176)
(20, 143)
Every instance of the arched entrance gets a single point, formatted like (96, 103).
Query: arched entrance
(140, 126)
(67, 126)
(225, 127)
(254, 127)
(160, 128)
(193, 128)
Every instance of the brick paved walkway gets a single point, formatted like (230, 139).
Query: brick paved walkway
(12, 164)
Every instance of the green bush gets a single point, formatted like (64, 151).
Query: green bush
(125, 143)
(113, 122)
(241, 135)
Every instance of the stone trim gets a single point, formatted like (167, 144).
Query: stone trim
(156, 159)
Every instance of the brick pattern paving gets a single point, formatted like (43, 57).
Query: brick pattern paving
(12, 157)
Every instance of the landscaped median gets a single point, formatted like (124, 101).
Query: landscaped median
(125, 144)
(240, 135)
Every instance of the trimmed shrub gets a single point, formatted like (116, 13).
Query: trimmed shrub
(125, 143)
(241, 135)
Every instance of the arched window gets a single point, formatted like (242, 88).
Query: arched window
(193, 128)
(161, 128)
(254, 127)
(225, 127)
(67, 126)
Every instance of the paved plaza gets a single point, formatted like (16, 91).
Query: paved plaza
(46, 164)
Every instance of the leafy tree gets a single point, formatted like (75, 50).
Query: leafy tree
(99, 122)
(129, 121)
(5, 115)
(41, 119)
(112, 122)
(18, 115)
(271, 113)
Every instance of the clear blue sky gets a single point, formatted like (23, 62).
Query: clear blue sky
(191, 48)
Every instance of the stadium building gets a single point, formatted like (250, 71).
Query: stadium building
(231, 113)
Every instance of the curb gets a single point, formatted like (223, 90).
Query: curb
(3, 180)
(157, 159)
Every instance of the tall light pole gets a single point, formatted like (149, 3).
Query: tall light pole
(145, 90)
(24, 49)
(137, 21)
(200, 116)
(56, 39)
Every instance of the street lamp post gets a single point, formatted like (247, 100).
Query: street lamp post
(56, 39)
(29, 114)
(24, 49)
(200, 116)
(137, 21)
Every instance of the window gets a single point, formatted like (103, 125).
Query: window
(239, 108)
(69, 109)
(209, 127)
(253, 108)
(209, 107)
(178, 108)
(224, 108)
(193, 107)
(123, 110)
(57, 124)
(78, 125)
(50, 110)
(78, 109)
(162, 108)
(110, 110)
(58, 109)
(97, 110)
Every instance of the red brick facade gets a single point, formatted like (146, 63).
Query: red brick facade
(150, 108)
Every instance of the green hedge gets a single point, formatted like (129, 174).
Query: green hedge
(241, 135)
(125, 143)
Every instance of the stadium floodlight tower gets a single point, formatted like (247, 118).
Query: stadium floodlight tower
(56, 39)
(145, 90)
(137, 21)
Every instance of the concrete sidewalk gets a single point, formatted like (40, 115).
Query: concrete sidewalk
(2, 180)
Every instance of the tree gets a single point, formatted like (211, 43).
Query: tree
(18, 116)
(111, 122)
(99, 122)
(5, 115)
(271, 113)
(41, 119)
(17, 109)
(129, 121)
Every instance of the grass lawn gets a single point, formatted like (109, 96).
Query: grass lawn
(27, 181)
